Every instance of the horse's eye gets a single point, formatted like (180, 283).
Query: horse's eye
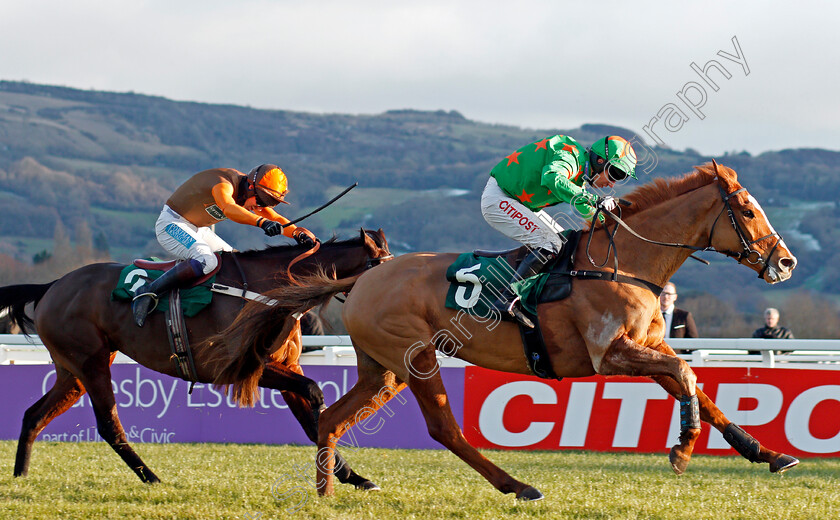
(749, 214)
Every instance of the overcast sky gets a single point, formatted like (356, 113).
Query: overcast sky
(536, 64)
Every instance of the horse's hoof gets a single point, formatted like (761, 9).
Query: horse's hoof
(529, 494)
(783, 463)
(679, 463)
(367, 485)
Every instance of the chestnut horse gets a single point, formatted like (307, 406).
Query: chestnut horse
(83, 329)
(395, 315)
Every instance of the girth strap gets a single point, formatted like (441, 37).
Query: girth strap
(536, 353)
(176, 329)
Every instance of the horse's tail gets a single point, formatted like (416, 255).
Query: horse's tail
(259, 330)
(13, 300)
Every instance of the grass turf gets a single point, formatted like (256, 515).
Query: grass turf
(88, 480)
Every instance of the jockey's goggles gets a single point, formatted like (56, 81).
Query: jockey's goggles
(268, 198)
(616, 174)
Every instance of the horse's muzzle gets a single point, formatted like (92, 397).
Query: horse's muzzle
(781, 269)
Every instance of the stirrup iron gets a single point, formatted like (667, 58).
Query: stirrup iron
(155, 300)
(517, 314)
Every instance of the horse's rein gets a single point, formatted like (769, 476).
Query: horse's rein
(745, 253)
(603, 275)
(371, 262)
(305, 254)
(650, 241)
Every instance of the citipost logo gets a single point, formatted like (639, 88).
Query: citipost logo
(796, 411)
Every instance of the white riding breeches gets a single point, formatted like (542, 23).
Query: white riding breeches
(182, 239)
(512, 219)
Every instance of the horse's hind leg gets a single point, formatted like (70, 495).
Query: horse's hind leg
(434, 403)
(64, 394)
(375, 387)
(743, 442)
(97, 381)
(306, 401)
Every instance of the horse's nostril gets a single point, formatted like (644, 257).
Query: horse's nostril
(788, 263)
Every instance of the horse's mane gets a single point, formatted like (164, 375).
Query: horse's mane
(661, 190)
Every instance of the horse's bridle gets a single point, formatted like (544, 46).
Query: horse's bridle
(373, 262)
(747, 252)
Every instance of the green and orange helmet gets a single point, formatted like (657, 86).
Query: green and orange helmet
(616, 155)
(269, 184)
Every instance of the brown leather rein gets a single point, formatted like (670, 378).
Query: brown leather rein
(747, 253)
(371, 262)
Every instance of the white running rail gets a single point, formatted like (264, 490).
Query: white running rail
(17, 349)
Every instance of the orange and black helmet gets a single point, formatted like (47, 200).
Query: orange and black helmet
(269, 185)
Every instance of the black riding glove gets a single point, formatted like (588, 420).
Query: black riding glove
(271, 228)
(304, 239)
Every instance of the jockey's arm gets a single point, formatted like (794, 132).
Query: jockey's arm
(557, 177)
(223, 195)
(270, 214)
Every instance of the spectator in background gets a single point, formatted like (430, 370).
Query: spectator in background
(679, 323)
(771, 329)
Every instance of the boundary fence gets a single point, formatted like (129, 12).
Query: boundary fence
(18, 349)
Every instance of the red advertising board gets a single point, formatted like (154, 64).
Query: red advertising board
(789, 410)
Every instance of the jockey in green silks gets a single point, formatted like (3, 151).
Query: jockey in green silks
(542, 174)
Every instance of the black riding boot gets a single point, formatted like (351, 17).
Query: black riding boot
(146, 298)
(508, 301)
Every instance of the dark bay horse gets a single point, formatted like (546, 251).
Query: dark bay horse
(396, 316)
(83, 331)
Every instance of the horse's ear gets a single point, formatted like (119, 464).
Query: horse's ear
(384, 241)
(367, 240)
(715, 166)
(726, 177)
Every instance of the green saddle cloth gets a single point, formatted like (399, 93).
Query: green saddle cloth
(133, 278)
(476, 280)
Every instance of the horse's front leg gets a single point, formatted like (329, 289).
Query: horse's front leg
(626, 357)
(743, 442)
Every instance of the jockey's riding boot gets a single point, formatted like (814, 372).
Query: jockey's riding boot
(146, 298)
(533, 264)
